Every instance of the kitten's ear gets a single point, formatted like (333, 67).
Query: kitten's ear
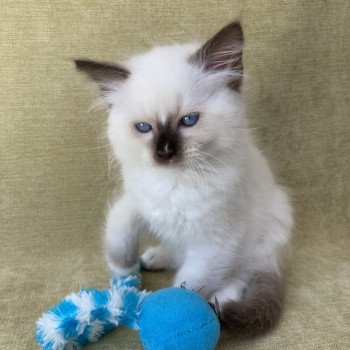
(104, 74)
(223, 52)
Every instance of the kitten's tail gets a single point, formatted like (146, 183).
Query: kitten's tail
(259, 308)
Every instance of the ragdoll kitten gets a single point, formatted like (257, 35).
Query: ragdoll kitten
(194, 177)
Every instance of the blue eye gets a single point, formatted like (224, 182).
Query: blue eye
(143, 127)
(190, 119)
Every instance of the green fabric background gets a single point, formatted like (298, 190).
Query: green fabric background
(54, 177)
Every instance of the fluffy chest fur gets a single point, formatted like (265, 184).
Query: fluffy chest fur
(174, 207)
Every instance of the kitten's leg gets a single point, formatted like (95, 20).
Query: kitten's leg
(193, 276)
(205, 277)
(159, 258)
(121, 237)
(232, 291)
(201, 271)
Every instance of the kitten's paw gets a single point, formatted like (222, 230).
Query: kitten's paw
(155, 258)
(232, 292)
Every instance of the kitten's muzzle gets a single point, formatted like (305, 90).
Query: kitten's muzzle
(167, 144)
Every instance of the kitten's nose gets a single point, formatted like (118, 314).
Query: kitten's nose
(166, 152)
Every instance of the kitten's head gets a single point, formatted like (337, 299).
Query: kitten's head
(174, 104)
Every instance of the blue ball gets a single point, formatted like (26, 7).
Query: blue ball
(177, 319)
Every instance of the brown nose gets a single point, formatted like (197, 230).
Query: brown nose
(167, 143)
(166, 152)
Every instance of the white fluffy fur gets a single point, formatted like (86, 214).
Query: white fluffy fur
(219, 213)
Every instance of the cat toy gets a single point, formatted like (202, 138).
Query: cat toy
(170, 318)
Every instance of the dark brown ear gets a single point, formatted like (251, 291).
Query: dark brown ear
(223, 52)
(104, 74)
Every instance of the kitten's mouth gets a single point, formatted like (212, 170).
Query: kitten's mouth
(171, 163)
(167, 157)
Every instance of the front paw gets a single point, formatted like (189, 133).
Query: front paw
(155, 258)
(193, 282)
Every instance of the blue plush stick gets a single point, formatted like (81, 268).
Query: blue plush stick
(171, 318)
(85, 316)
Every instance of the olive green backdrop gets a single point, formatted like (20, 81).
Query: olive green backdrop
(54, 176)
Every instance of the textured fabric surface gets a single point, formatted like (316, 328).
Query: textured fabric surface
(54, 176)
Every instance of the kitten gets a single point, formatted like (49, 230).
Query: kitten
(194, 177)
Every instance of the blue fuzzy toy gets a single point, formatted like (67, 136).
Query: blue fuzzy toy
(171, 318)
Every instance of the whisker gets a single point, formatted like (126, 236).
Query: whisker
(192, 169)
(210, 155)
(215, 174)
(243, 200)
(201, 170)
(195, 165)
